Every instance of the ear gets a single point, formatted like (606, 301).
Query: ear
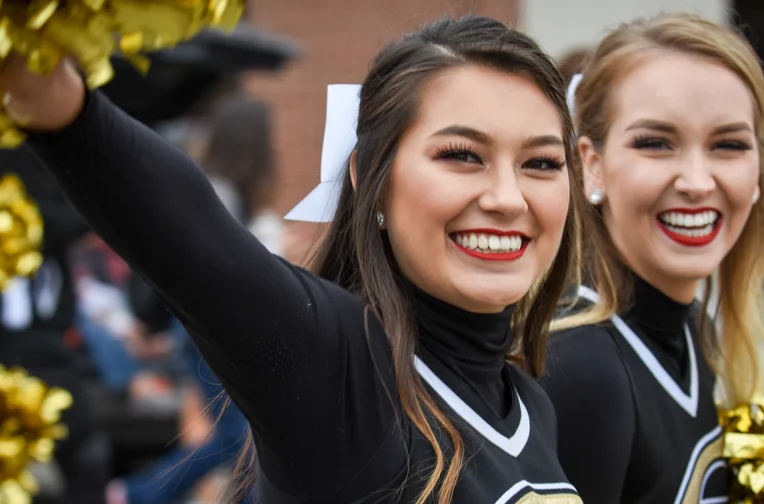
(592, 162)
(352, 167)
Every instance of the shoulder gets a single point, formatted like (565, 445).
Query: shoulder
(590, 387)
(586, 361)
(341, 312)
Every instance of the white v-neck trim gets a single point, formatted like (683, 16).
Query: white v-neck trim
(689, 403)
(512, 445)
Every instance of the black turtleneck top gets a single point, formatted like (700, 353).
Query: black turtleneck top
(471, 346)
(635, 404)
(308, 365)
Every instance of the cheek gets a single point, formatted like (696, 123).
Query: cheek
(739, 184)
(549, 201)
(633, 188)
(422, 199)
(418, 204)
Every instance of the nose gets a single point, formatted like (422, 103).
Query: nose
(695, 180)
(503, 194)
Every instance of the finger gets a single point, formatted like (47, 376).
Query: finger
(16, 110)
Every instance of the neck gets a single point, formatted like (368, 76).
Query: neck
(474, 344)
(681, 290)
(659, 314)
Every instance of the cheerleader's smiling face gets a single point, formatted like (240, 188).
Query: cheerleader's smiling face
(478, 194)
(679, 168)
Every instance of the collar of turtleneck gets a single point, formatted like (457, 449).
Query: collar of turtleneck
(474, 344)
(660, 318)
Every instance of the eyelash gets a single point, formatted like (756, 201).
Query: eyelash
(553, 162)
(457, 152)
(462, 152)
(650, 142)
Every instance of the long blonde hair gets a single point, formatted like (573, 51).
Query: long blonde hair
(741, 274)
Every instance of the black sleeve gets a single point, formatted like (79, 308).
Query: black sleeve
(293, 351)
(592, 396)
(147, 306)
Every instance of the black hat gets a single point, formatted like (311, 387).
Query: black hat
(180, 78)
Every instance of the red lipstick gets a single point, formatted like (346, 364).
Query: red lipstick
(691, 241)
(492, 256)
(692, 211)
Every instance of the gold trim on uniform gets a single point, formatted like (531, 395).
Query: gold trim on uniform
(535, 498)
(712, 451)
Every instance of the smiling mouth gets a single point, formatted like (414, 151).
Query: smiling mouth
(491, 245)
(691, 228)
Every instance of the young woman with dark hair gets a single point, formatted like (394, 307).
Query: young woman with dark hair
(383, 375)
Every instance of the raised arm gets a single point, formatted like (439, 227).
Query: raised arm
(290, 349)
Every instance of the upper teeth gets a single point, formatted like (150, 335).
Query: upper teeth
(701, 219)
(489, 243)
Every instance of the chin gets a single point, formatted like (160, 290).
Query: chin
(689, 270)
(491, 301)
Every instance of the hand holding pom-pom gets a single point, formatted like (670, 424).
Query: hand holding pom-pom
(38, 102)
(37, 37)
(21, 232)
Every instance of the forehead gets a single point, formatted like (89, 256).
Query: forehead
(684, 89)
(505, 105)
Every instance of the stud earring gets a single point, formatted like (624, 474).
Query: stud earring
(380, 218)
(756, 195)
(596, 197)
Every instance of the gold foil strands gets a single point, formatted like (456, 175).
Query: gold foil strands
(30, 412)
(90, 31)
(744, 450)
(21, 231)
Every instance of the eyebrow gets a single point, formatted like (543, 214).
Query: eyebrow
(467, 132)
(733, 128)
(542, 141)
(652, 124)
(485, 138)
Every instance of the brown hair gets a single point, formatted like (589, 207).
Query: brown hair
(572, 63)
(357, 255)
(741, 273)
(240, 150)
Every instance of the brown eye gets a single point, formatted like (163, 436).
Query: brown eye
(651, 143)
(736, 145)
(544, 163)
(460, 153)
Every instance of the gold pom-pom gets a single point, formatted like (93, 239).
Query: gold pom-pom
(30, 412)
(744, 451)
(20, 231)
(90, 31)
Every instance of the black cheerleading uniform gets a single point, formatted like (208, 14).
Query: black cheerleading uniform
(306, 363)
(635, 404)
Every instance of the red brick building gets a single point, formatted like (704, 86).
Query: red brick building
(338, 38)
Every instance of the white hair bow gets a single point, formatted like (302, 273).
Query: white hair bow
(571, 94)
(342, 102)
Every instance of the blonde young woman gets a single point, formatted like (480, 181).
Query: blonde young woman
(669, 123)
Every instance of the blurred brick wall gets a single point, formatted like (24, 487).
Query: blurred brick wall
(338, 38)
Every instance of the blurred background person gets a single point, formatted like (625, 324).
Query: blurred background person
(239, 163)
